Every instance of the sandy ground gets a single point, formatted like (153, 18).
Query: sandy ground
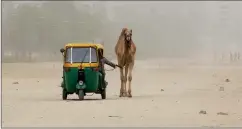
(162, 96)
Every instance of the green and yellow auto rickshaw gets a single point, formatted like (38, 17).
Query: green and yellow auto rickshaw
(81, 73)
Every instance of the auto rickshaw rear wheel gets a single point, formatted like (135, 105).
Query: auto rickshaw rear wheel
(64, 94)
(81, 95)
(103, 93)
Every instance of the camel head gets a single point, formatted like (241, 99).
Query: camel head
(127, 35)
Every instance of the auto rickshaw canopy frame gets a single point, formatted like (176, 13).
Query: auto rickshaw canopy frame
(97, 46)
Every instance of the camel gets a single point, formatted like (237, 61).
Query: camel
(125, 50)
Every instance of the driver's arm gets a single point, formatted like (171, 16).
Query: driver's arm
(105, 61)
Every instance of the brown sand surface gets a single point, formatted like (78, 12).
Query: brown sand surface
(163, 95)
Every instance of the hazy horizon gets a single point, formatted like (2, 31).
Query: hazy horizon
(161, 29)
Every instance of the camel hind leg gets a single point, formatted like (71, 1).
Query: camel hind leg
(130, 69)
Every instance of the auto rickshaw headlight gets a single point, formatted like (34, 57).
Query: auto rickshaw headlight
(80, 82)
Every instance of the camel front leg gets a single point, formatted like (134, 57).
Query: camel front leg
(125, 78)
(130, 68)
(122, 90)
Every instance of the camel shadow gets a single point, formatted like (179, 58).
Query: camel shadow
(142, 96)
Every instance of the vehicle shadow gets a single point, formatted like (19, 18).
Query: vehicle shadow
(91, 99)
(45, 99)
(110, 98)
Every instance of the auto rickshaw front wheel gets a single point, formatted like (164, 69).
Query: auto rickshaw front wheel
(64, 94)
(81, 95)
(103, 94)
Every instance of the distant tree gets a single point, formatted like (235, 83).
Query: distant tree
(21, 30)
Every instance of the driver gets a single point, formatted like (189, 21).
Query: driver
(103, 61)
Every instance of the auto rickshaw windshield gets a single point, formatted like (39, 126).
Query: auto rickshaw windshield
(81, 55)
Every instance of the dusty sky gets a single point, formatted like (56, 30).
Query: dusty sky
(161, 28)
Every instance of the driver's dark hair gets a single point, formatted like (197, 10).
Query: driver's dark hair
(100, 52)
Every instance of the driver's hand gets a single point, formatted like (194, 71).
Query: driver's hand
(117, 66)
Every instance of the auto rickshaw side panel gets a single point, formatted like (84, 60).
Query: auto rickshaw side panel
(70, 79)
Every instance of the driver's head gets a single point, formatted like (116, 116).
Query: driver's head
(100, 53)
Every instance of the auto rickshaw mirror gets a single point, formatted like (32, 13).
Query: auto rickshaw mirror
(62, 50)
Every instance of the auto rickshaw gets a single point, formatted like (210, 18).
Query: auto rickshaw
(81, 72)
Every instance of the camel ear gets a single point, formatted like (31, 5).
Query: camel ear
(131, 31)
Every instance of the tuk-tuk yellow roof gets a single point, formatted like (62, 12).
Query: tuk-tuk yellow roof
(98, 45)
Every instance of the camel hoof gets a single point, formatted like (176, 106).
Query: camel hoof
(130, 95)
(121, 95)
